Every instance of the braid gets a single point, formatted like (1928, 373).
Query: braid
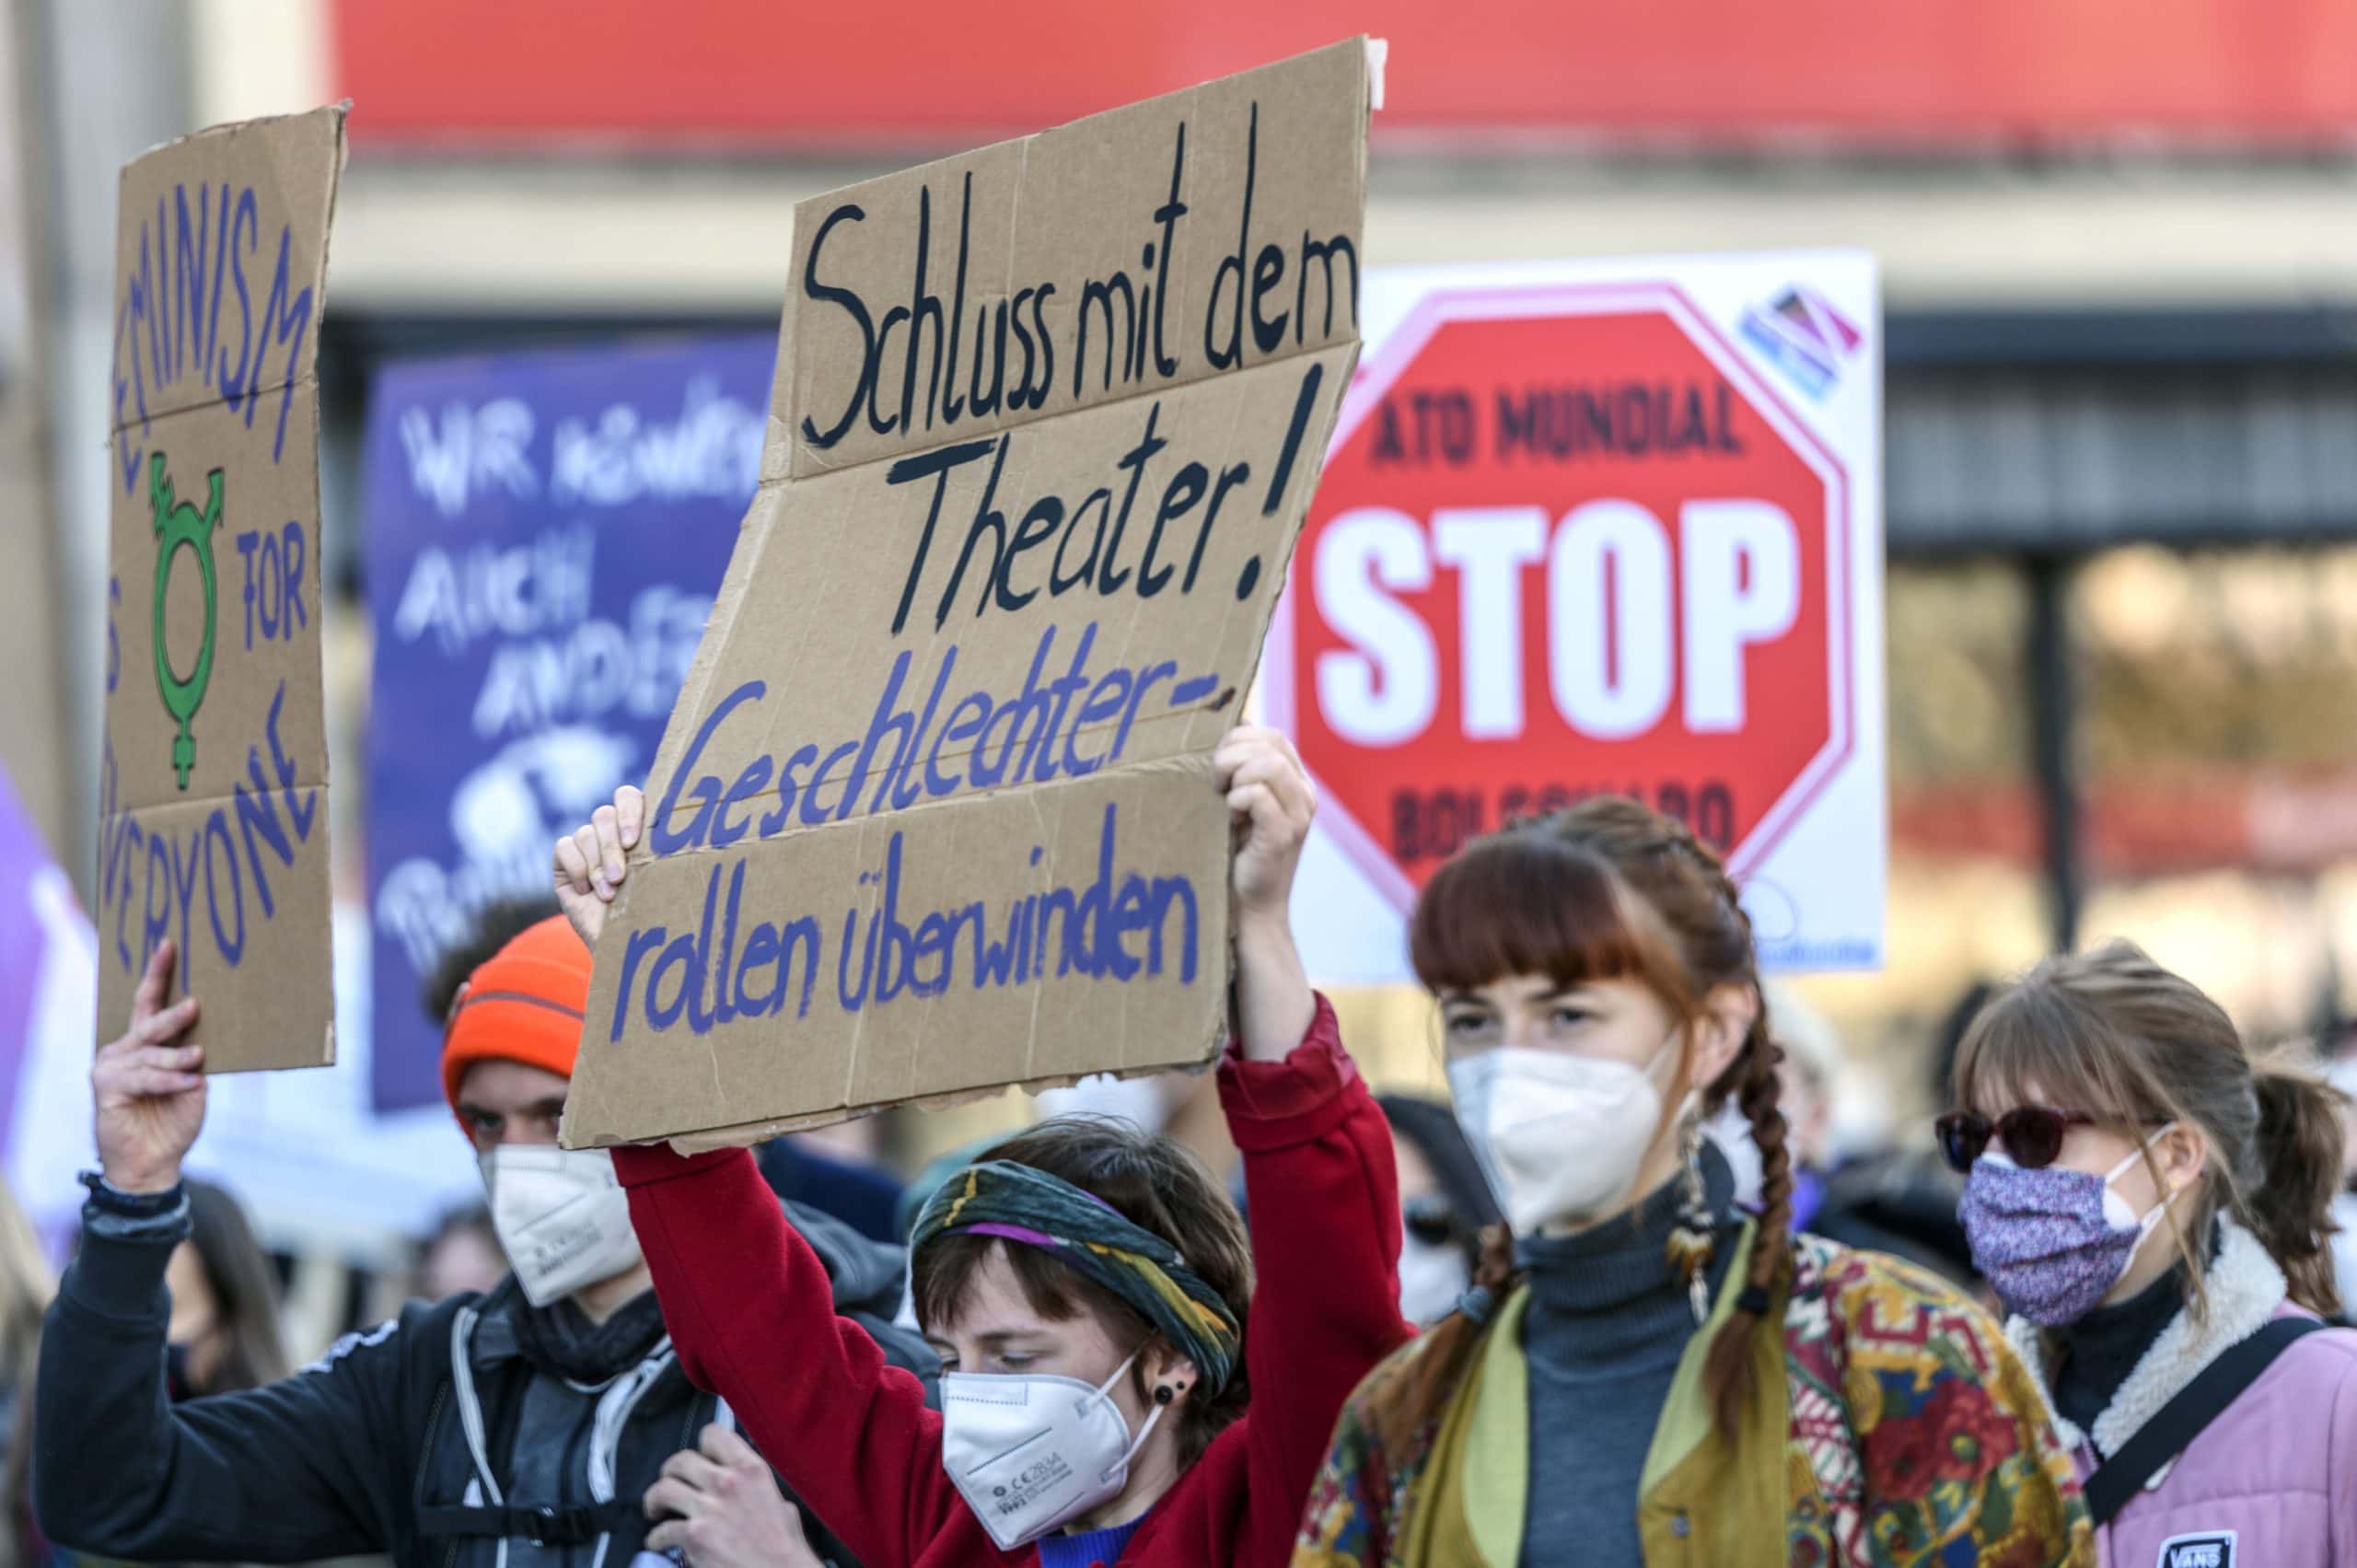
(1751, 1079)
(1726, 1371)
(1494, 1271)
(1607, 888)
(1448, 1347)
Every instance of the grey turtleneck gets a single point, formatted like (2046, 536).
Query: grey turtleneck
(1603, 1333)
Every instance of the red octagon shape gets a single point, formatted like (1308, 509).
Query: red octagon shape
(1534, 405)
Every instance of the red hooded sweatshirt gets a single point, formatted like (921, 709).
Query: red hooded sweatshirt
(751, 1310)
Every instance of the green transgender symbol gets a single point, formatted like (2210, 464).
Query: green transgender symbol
(177, 525)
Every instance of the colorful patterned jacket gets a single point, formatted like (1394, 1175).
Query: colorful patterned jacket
(1907, 1432)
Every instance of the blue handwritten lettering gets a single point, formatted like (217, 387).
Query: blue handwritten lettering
(1032, 736)
(1117, 925)
(164, 873)
(168, 322)
(706, 792)
(274, 590)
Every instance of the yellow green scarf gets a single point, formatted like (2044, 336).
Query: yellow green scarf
(1704, 1498)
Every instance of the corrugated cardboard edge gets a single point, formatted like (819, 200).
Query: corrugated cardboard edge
(340, 116)
(745, 1133)
(341, 106)
(340, 113)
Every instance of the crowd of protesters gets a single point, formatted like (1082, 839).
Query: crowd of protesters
(1619, 1300)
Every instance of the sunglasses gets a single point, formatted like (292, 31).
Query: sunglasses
(2032, 1134)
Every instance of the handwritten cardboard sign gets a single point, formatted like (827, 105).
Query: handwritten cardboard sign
(213, 781)
(935, 813)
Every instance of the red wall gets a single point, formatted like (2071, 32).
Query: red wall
(1908, 71)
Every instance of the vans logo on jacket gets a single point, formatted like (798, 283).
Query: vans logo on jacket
(2212, 1549)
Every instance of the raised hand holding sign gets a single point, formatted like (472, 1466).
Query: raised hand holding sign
(213, 829)
(940, 809)
(592, 863)
(149, 1086)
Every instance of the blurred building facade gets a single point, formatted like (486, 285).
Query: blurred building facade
(2120, 262)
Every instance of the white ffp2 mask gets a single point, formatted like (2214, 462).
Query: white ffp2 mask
(562, 1218)
(1559, 1136)
(1030, 1451)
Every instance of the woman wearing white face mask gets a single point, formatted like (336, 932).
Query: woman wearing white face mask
(1087, 1285)
(1645, 1372)
(2153, 1206)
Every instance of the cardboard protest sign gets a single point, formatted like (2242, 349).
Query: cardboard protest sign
(934, 814)
(213, 782)
(545, 531)
(1599, 527)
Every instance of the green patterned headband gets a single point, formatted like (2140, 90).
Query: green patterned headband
(1020, 1202)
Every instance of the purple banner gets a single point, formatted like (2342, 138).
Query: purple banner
(25, 938)
(545, 532)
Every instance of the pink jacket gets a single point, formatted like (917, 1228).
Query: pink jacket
(2270, 1483)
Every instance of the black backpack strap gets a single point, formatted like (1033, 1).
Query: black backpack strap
(576, 1525)
(2162, 1438)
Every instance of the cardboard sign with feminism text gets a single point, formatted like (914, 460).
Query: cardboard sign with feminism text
(213, 820)
(934, 814)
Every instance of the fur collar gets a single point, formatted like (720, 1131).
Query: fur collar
(2245, 1287)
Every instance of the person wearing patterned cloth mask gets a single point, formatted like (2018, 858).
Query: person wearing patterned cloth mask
(547, 1424)
(2152, 1202)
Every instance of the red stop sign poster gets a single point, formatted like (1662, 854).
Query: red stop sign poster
(1592, 530)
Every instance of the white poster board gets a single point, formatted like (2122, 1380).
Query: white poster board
(1599, 527)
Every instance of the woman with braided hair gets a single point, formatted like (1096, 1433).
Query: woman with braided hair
(1643, 1372)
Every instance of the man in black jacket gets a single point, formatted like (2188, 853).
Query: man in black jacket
(526, 1428)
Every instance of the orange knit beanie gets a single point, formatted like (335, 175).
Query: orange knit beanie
(523, 1004)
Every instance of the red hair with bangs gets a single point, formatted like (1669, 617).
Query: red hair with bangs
(1524, 903)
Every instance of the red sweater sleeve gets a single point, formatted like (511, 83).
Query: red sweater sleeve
(1325, 1213)
(751, 1312)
